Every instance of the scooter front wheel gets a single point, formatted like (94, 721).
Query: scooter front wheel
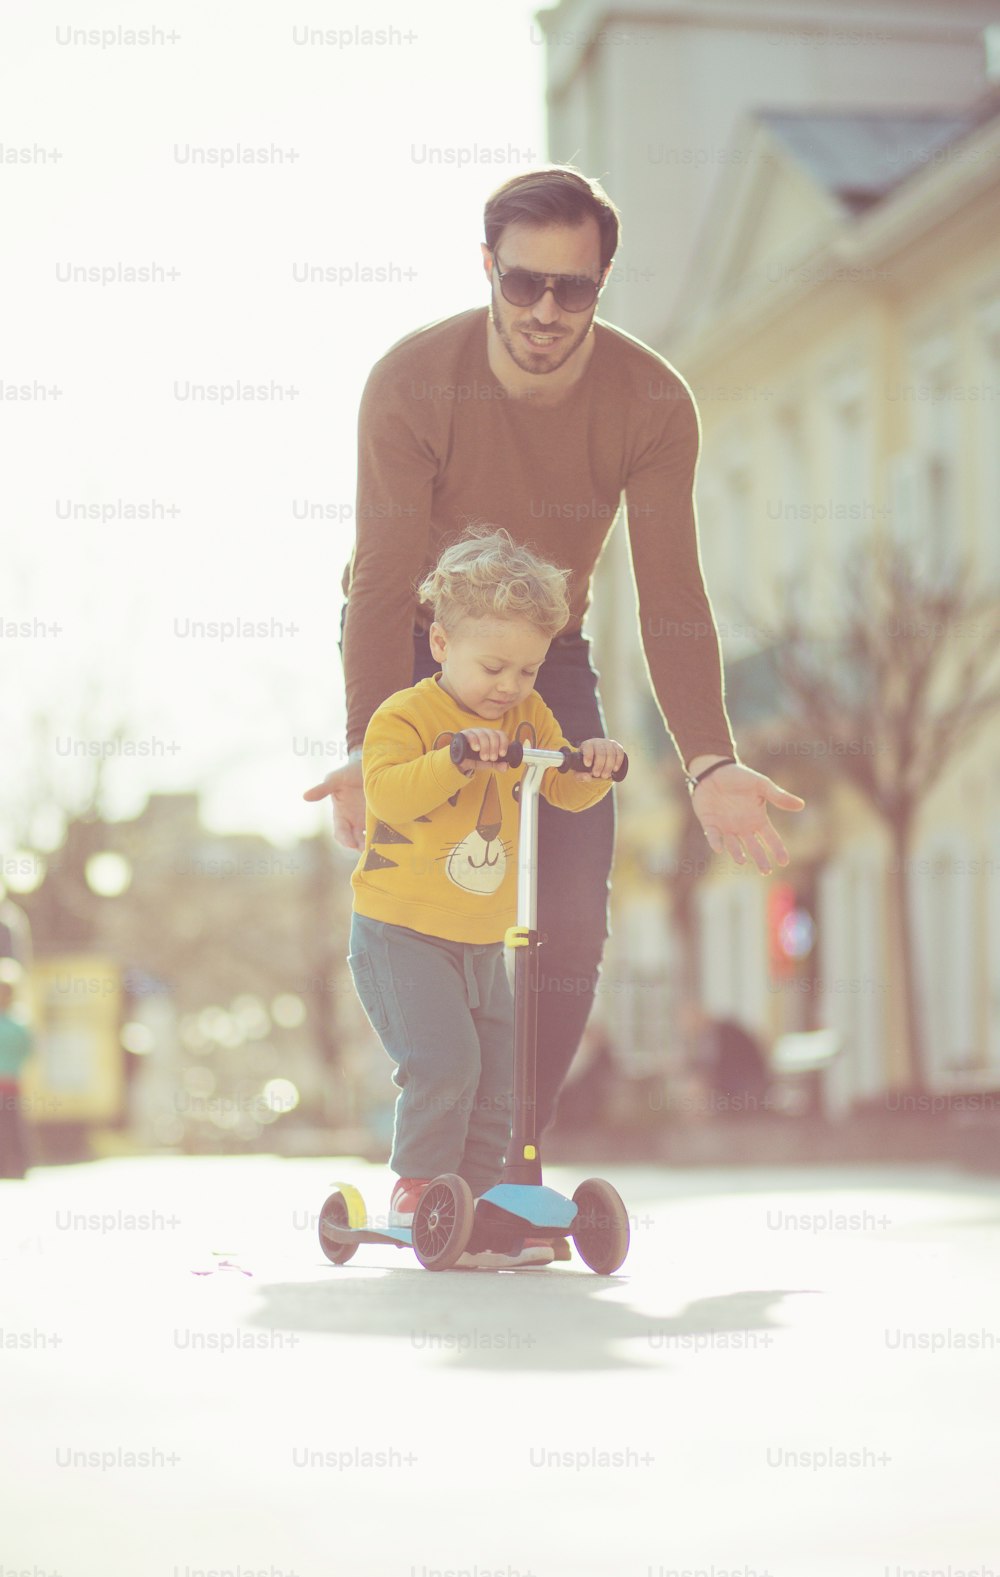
(443, 1221)
(344, 1208)
(601, 1230)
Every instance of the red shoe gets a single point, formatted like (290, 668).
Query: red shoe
(405, 1199)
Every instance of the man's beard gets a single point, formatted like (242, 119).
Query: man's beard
(520, 353)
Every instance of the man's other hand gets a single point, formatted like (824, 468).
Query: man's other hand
(345, 787)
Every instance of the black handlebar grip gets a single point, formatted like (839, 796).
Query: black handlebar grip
(573, 762)
(462, 751)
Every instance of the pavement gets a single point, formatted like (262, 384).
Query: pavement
(794, 1375)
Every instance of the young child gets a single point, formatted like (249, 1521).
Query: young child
(435, 888)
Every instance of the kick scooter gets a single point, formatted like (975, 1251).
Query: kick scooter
(448, 1222)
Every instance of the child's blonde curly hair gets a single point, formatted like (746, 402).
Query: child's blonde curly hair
(486, 574)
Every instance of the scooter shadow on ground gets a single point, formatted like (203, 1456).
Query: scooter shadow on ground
(516, 1320)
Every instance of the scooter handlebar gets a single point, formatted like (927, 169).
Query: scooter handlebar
(573, 762)
(461, 751)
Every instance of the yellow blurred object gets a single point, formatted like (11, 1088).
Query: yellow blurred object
(75, 1073)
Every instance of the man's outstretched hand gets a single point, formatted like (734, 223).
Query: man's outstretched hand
(732, 808)
(345, 787)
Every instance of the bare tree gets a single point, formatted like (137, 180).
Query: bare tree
(900, 688)
(76, 795)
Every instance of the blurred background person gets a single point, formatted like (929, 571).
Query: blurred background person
(728, 1063)
(16, 1045)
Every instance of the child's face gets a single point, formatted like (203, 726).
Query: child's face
(488, 665)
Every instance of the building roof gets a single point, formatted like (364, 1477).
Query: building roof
(861, 155)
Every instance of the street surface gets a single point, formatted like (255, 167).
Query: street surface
(794, 1375)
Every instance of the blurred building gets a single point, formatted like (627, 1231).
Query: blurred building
(809, 200)
(851, 293)
(650, 97)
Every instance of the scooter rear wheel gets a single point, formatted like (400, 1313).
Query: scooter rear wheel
(443, 1221)
(344, 1208)
(601, 1230)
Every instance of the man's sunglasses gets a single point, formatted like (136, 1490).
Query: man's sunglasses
(573, 292)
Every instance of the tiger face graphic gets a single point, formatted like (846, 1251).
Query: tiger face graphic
(478, 863)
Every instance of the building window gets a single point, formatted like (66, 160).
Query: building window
(848, 510)
(986, 508)
(936, 432)
(943, 902)
(791, 511)
(732, 928)
(852, 967)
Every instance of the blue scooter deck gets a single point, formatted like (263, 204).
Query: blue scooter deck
(402, 1237)
(534, 1203)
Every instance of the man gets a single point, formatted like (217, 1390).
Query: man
(533, 415)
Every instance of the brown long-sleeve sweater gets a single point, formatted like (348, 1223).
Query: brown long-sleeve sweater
(441, 445)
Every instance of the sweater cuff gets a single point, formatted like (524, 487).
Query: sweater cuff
(445, 771)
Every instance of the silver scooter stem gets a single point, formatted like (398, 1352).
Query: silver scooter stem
(536, 763)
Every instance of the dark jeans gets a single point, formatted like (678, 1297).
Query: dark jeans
(575, 850)
(444, 1013)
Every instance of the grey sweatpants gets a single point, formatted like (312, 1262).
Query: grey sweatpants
(445, 1014)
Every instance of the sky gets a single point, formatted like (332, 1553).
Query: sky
(380, 139)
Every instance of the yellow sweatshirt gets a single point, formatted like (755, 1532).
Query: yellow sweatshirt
(440, 851)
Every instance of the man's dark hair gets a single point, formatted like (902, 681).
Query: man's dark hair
(556, 194)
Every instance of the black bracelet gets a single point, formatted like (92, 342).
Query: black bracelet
(692, 783)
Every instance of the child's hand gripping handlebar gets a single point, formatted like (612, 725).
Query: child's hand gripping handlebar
(572, 760)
